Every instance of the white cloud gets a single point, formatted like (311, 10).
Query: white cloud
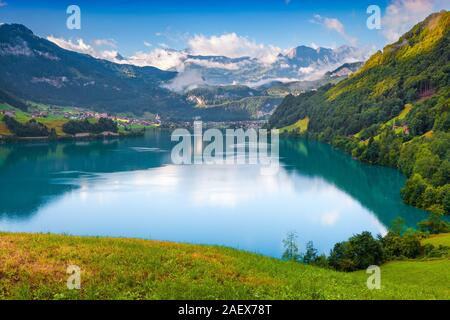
(160, 58)
(233, 46)
(401, 15)
(164, 58)
(256, 84)
(214, 64)
(315, 71)
(335, 25)
(229, 45)
(105, 43)
(355, 54)
(78, 45)
(185, 81)
(147, 44)
(306, 70)
(82, 47)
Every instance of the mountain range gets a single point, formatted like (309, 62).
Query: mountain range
(35, 69)
(260, 102)
(298, 64)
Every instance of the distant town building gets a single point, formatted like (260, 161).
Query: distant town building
(41, 114)
(9, 113)
(110, 134)
(82, 135)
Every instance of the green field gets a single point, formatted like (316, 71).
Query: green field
(439, 239)
(34, 267)
(3, 128)
(53, 122)
(301, 126)
(56, 122)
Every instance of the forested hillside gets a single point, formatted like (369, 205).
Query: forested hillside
(394, 111)
(33, 68)
(11, 100)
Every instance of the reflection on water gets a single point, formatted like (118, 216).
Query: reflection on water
(129, 188)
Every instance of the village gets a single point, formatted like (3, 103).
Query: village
(125, 122)
(78, 114)
(244, 124)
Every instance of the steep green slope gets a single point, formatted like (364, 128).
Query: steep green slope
(216, 95)
(298, 87)
(34, 69)
(394, 111)
(233, 102)
(247, 108)
(34, 267)
(6, 98)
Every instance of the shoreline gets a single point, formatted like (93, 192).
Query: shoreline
(306, 136)
(90, 137)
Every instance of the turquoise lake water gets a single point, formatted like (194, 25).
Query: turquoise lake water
(129, 188)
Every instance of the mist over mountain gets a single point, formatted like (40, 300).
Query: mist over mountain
(229, 59)
(297, 64)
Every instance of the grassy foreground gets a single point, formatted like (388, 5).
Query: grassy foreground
(33, 266)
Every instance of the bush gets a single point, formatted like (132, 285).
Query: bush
(434, 224)
(431, 251)
(84, 126)
(74, 127)
(359, 252)
(397, 246)
(363, 250)
(321, 261)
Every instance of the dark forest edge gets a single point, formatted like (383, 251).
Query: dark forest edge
(363, 250)
(34, 129)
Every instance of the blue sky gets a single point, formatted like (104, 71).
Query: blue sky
(137, 25)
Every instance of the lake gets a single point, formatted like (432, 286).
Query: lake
(129, 188)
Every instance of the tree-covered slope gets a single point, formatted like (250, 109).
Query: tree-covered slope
(214, 95)
(393, 111)
(9, 99)
(32, 68)
(234, 102)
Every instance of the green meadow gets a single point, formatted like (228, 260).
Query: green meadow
(33, 266)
